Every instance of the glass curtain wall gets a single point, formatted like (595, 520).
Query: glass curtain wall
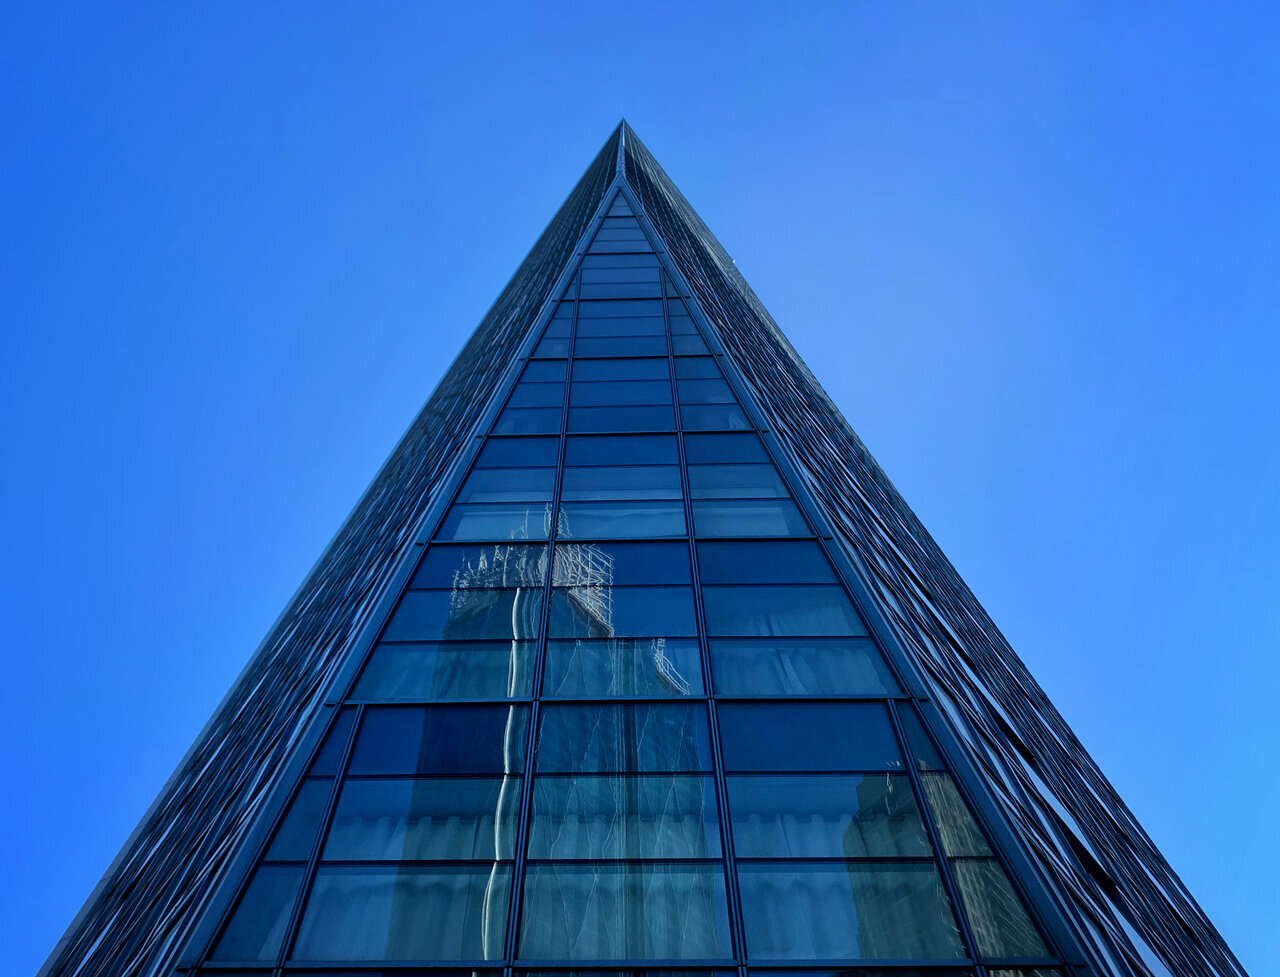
(626, 714)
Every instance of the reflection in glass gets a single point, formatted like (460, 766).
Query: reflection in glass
(623, 738)
(492, 566)
(845, 816)
(296, 835)
(833, 736)
(799, 666)
(621, 612)
(959, 833)
(258, 924)
(377, 912)
(736, 482)
(441, 740)
(750, 517)
(620, 520)
(863, 910)
(466, 615)
(652, 482)
(453, 670)
(622, 666)
(529, 520)
(1000, 923)
(612, 911)
(787, 610)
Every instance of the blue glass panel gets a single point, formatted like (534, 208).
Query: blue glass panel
(537, 395)
(551, 349)
(827, 736)
(452, 670)
(296, 835)
(622, 666)
(799, 666)
(621, 346)
(466, 615)
(376, 912)
(715, 417)
(705, 392)
(410, 740)
(957, 830)
(621, 612)
(544, 371)
(258, 925)
(651, 482)
(623, 738)
(719, 449)
(596, 273)
(508, 485)
(515, 520)
(754, 517)
(620, 564)
(655, 449)
(329, 758)
(528, 420)
(518, 453)
(686, 345)
(622, 290)
(595, 329)
(816, 611)
(637, 307)
(859, 910)
(772, 562)
(620, 520)
(585, 420)
(619, 261)
(736, 482)
(922, 748)
(825, 816)
(696, 367)
(494, 565)
(616, 393)
(637, 369)
(1000, 922)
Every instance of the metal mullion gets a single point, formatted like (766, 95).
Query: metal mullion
(736, 926)
(309, 874)
(540, 651)
(935, 839)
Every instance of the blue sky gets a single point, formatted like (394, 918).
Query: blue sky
(1031, 250)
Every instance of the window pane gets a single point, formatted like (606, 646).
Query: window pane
(330, 756)
(621, 564)
(482, 566)
(619, 393)
(866, 910)
(544, 371)
(536, 395)
(822, 817)
(518, 453)
(818, 611)
(258, 924)
(715, 417)
(926, 756)
(621, 612)
(508, 485)
(697, 367)
(773, 562)
(650, 482)
(587, 419)
(753, 517)
(622, 666)
(441, 740)
(712, 449)
(551, 348)
(559, 327)
(598, 328)
(466, 615)
(611, 911)
(592, 276)
(479, 670)
(621, 346)
(376, 912)
(1000, 922)
(800, 666)
(588, 520)
(736, 482)
(651, 449)
(834, 736)
(686, 344)
(424, 819)
(512, 521)
(620, 261)
(623, 738)
(706, 392)
(528, 420)
(594, 371)
(622, 290)
(959, 833)
(296, 835)
(634, 817)
(641, 307)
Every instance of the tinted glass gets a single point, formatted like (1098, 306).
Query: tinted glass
(528, 420)
(752, 517)
(585, 420)
(621, 612)
(622, 666)
(453, 670)
(508, 485)
(830, 736)
(595, 371)
(441, 740)
(781, 610)
(714, 417)
(799, 666)
(736, 482)
(712, 449)
(650, 482)
(623, 738)
(496, 521)
(780, 562)
(619, 392)
(482, 566)
(466, 615)
(297, 833)
(621, 564)
(258, 924)
(617, 520)
(518, 452)
(655, 449)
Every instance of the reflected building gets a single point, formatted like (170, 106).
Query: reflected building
(631, 660)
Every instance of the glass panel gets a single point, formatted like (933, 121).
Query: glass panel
(633, 817)
(715, 417)
(548, 371)
(774, 562)
(423, 819)
(621, 346)
(653, 482)
(623, 738)
(482, 566)
(441, 740)
(595, 371)
(259, 922)
(511, 521)
(537, 395)
(618, 520)
(518, 453)
(697, 367)
(376, 912)
(736, 482)
(551, 349)
(754, 517)
(619, 393)
(621, 564)
(865, 910)
(784, 611)
(488, 670)
(296, 835)
(594, 274)
(686, 344)
(922, 748)
(466, 615)
(714, 449)
(821, 817)
(621, 612)
(611, 911)
(640, 667)
(583, 420)
(959, 833)
(1000, 922)
(622, 290)
(641, 449)
(834, 736)
(329, 758)
(705, 392)
(597, 328)
(850, 666)
(620, 261)
(508, 485)
(528, 420)
(640, 307)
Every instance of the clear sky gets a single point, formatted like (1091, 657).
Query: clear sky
(1032, 251)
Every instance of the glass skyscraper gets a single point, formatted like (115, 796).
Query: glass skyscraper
(632, 659)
